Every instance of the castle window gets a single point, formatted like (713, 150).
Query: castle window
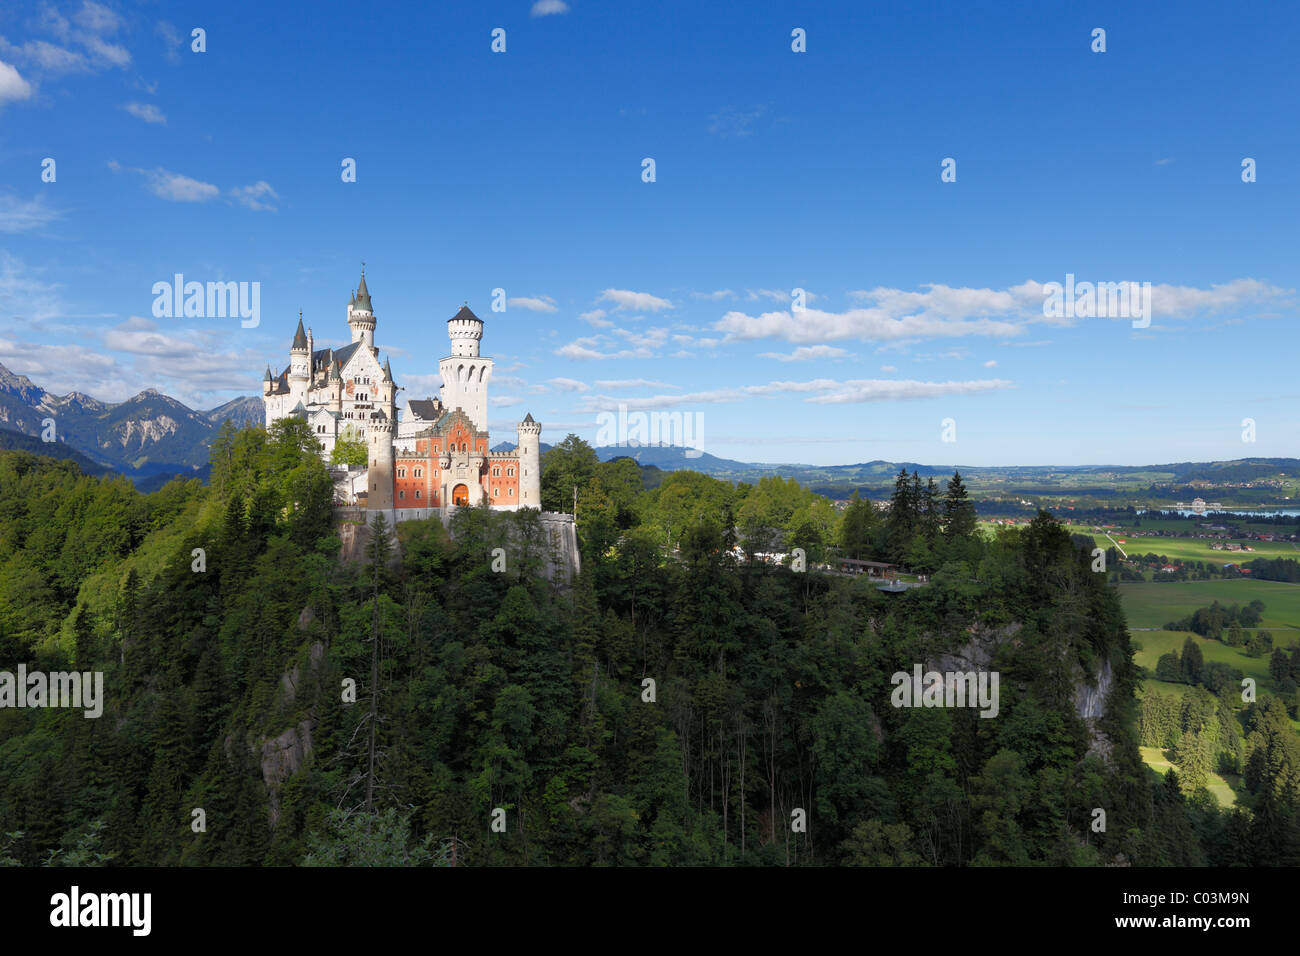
(511, 492)
(417, 493)
(419, 473)
(401, 473)
(510, 472)
(401, 494)
(496, 492)
(496, 472)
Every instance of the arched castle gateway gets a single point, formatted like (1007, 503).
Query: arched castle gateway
(438, 455)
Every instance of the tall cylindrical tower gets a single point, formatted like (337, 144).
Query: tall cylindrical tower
(464, 372)
(379, 477)
(530, 463)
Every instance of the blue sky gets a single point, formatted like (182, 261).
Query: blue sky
(775, 170)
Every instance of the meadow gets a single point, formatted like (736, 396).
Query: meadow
(1188, 549)
(1155, 604)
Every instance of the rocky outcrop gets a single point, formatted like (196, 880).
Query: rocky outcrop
(1091, 695)
(282, 757)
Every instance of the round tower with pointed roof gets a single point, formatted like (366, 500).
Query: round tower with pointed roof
(464, 372)
(299, 362)
(361, 315)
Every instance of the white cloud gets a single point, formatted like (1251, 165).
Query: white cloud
(147, 112)
(735, 121)
(634, 301)
(621, 383)
(25, 298)
(819, 391)
(12, 86)
(546, 8)
(888, 368)
(172, 40)
(597, 318)
(420, 386)
(886, 390)
(568, 384)
(542, 303)
(991, 363)
(178, 188)
(185, 361)
(46, 57)
(19, 216)
(807, 352)
(90, 28)
(713, 296)
(894, 316)
(258, 196)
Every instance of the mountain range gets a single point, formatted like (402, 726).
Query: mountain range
(151, 437)
(148, 434)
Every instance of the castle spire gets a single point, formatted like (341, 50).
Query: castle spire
(300, 337)
(363, 293)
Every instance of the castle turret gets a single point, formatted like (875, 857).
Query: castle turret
(530, 463)
(379, 478)
(361, 315)
(268, 382)
(299, 361)
(335, 387)
(464, 372)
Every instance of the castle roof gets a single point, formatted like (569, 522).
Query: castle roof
(268, 374)
(450, 418)
(425, 409)
(300, 337)
(388, 372)
(324, 356)
(529, 418)
(363, 293)
(465, 313)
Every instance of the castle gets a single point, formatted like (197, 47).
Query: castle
(437, 457)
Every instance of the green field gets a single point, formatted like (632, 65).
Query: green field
(1155, 758)
(1156, 643)
(1188, 549)
(1156, 604)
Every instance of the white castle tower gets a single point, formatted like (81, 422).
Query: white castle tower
(361, 315)
(299, 363)
(530, 463)
(464, 372)
(379, 477)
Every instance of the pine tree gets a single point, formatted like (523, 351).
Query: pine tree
(900, 526)
(958, 512)
(378, 550)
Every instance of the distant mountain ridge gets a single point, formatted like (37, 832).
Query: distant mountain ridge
(151, 437)
(148, 434)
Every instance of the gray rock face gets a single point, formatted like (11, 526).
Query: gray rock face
(282, 757)
(1090, 704)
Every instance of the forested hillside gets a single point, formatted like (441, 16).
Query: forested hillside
(325, 712)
